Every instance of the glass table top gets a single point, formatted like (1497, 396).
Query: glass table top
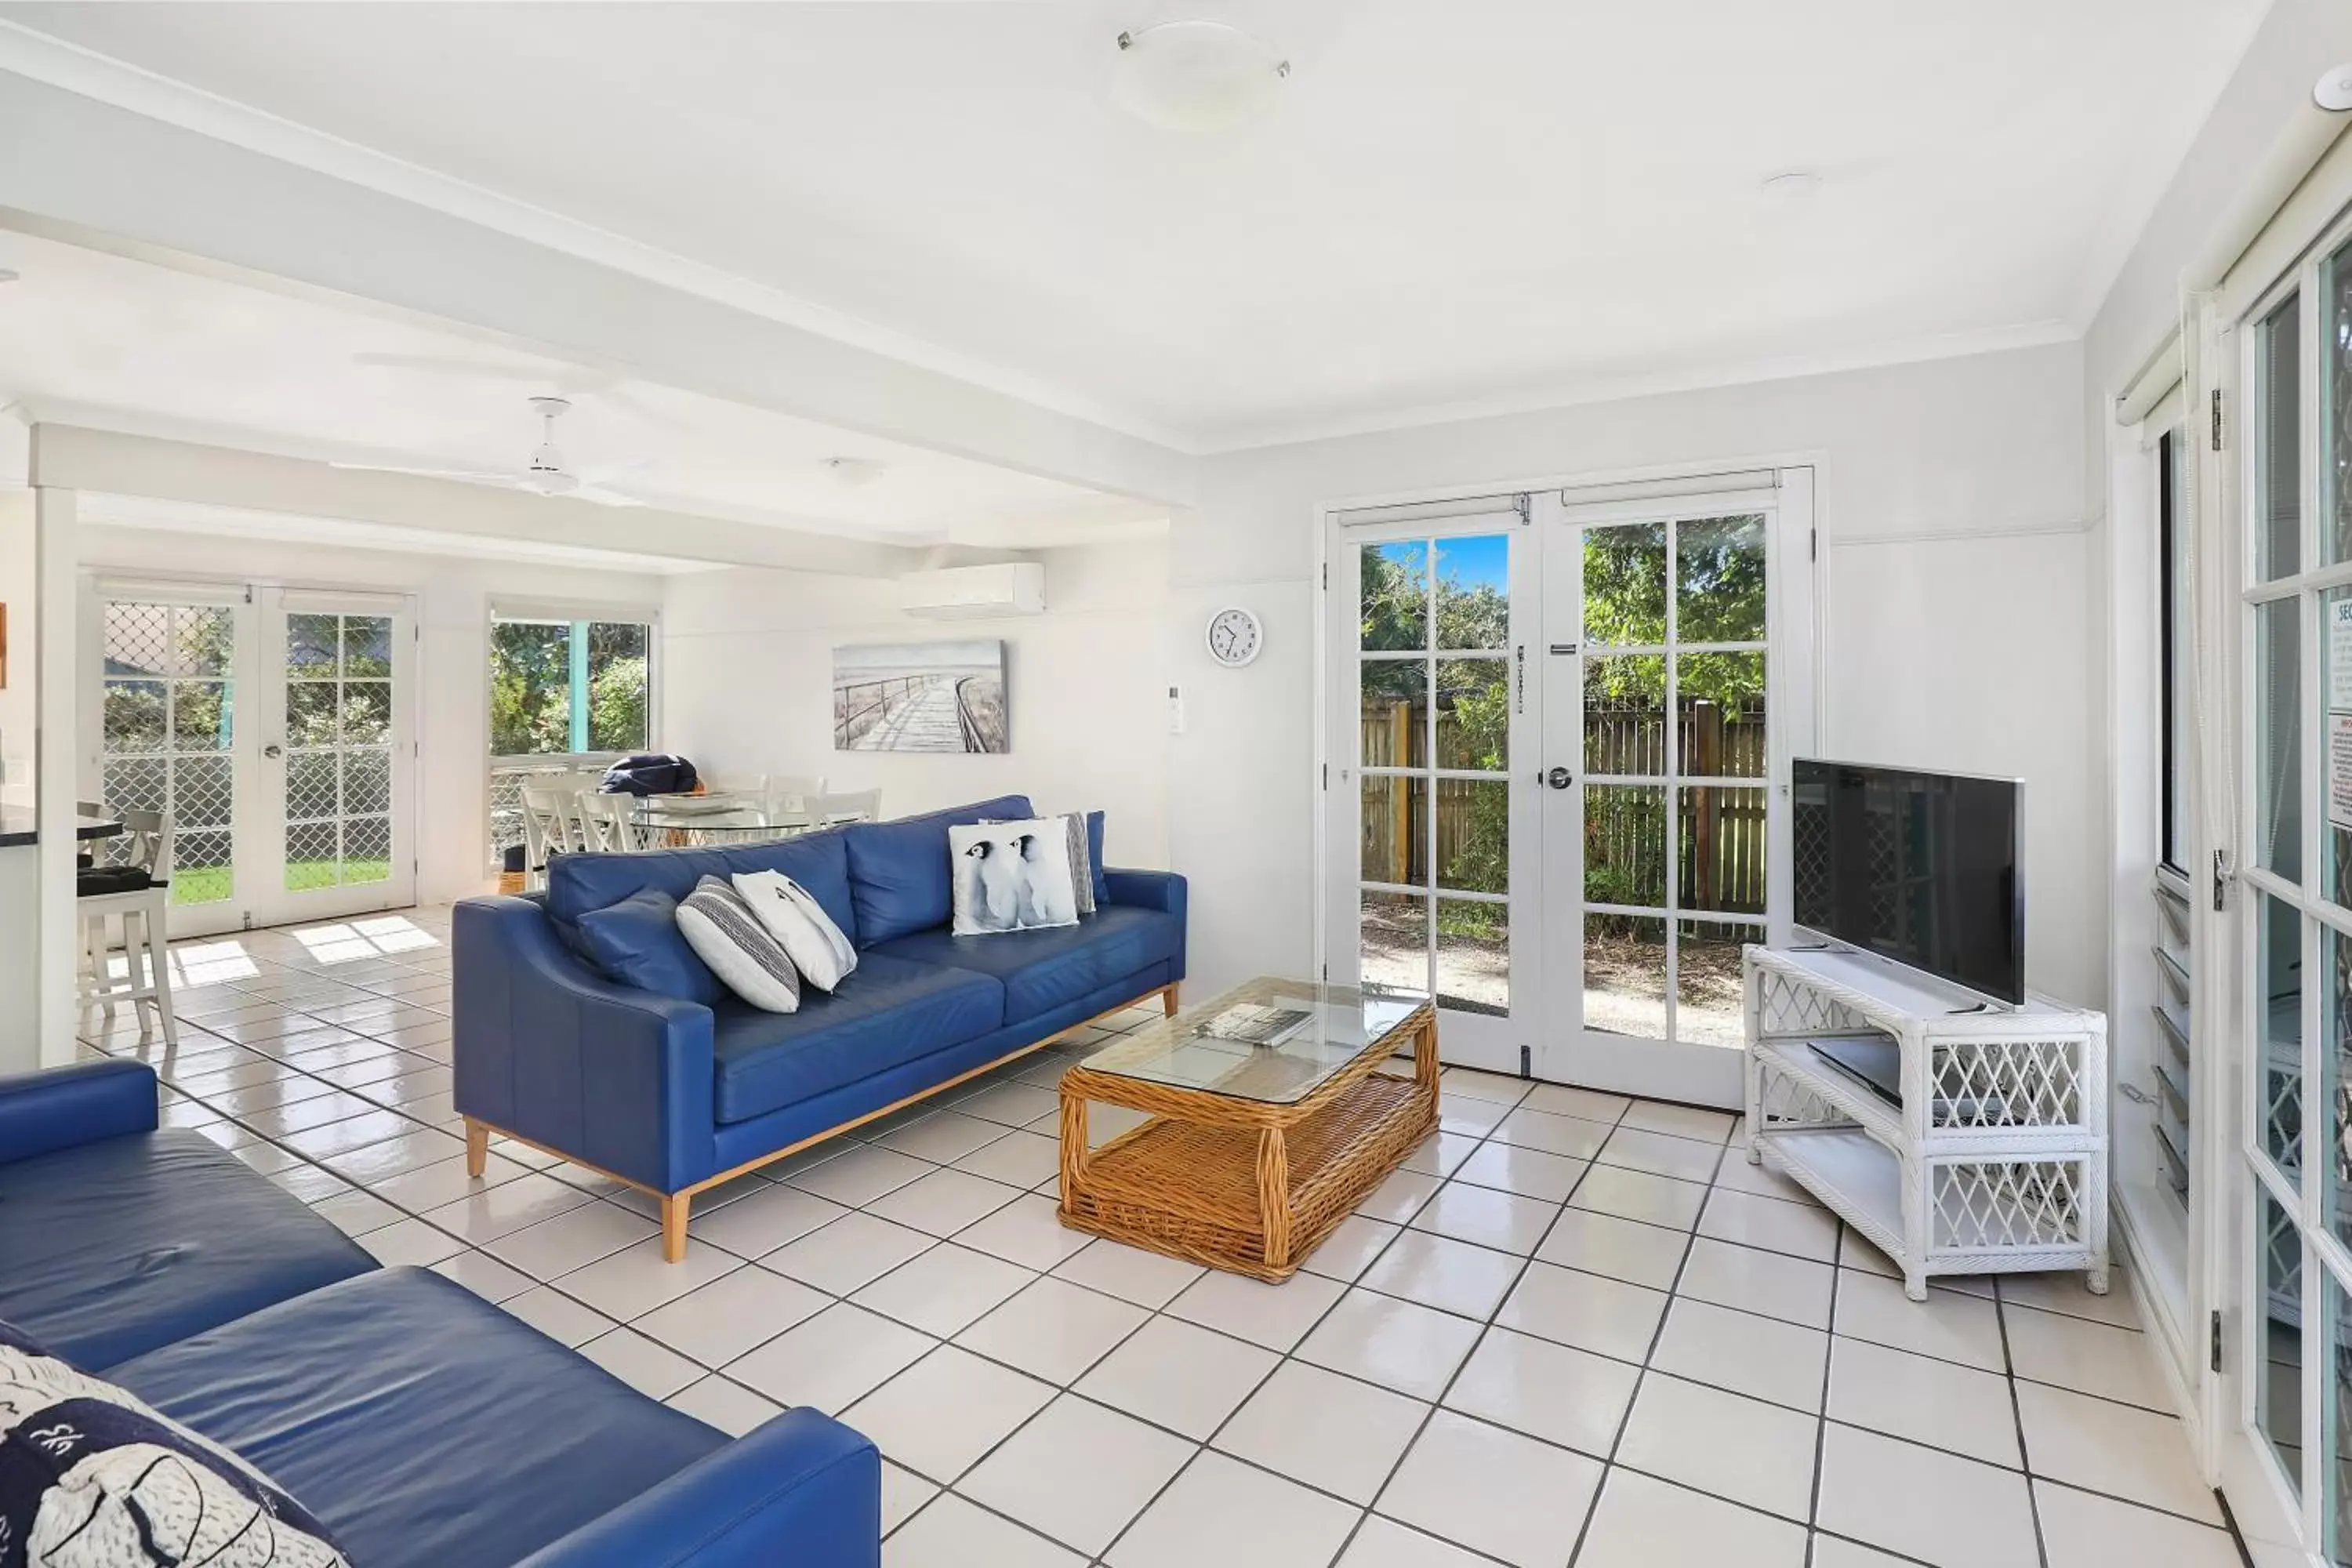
(1319, 1030)
(718, 816)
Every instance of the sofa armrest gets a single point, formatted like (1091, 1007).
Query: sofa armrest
(546, 1047)
(41, 1112)
(802, 1489)
(1162, 890)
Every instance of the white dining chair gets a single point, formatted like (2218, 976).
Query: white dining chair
(790, 793)
(859, 806)
(610, 823)
(137, 891)
(547, 829)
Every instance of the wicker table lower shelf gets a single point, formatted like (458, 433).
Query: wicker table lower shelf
(1250, 1193)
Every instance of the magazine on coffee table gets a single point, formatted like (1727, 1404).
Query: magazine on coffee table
(1254, 1025)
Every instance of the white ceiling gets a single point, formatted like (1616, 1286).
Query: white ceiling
(90, 338)
(1473, 204)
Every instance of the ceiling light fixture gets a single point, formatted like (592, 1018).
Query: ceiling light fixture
(2333, 92)
(1195, 75)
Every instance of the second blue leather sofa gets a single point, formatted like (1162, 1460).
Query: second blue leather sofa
(586, 1026)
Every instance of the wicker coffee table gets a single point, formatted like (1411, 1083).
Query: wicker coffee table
(1254, 1153)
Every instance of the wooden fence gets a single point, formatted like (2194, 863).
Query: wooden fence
(1720, 863)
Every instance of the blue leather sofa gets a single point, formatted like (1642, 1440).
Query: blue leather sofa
(425, 1427)
(582, 1029)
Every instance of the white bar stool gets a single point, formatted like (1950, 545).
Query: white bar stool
(139, 890)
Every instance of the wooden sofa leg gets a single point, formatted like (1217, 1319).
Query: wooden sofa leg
(674, 1207)
(478, 1147)
(1168, 1000)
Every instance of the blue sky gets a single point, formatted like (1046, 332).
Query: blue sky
(1484, 559)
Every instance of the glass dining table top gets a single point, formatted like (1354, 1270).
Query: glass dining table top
(710, 816)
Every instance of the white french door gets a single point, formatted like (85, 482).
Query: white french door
(1676, 654)
(276, 727)
(2290, 1379)
(1554, 801)
(1431, 825)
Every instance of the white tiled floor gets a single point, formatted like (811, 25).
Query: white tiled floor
(1575, 1329)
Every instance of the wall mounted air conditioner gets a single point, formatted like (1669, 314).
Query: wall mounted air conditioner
(967, 593)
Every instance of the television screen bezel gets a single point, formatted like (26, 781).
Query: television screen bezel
(2017, 880)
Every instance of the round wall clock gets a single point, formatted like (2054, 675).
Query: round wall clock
(1234, 636)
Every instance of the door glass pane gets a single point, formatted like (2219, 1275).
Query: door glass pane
(1474, 605)
(1394, 596)
(1719, 698)
(339, 729)
(2335, 767)
(1625, 715)
(1625, 585)
(1719, 857)
(2335, 399)
(1395, 830)
(1473, 955)
(1625, 975)
(2335, 1061)
(1394, 696)
(1625, 846)
(1473, 714)
(1708, 1006)
(2278, 1314)
(168, 722)
(1474, 835)
(1425, 702)
(2278, 737)
(2278, 974)
(1396, 937)
(1719, 580)
(2278, 448)
(2337, 1515)
(2178, 646)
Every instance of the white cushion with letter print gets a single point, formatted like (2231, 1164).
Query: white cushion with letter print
(790, 914)
(1013, 876)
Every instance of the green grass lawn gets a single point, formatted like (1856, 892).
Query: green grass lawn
(212, 884)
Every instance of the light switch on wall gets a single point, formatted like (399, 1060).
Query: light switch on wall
(1175, 710)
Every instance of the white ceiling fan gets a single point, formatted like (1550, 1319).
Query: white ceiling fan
(543, 473)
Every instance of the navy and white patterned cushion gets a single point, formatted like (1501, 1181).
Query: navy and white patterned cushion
(726, 935)
(92, 1477)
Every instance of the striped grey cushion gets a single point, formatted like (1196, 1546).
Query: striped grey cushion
(725, 934)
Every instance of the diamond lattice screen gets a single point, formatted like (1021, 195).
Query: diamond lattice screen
(169, 723)
(338, 724)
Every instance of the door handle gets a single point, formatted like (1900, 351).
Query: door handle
(1560, 778)
(273, 752)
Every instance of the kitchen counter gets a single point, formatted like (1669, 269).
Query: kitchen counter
(19, 825)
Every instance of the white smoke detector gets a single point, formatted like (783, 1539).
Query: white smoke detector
(2333, 92)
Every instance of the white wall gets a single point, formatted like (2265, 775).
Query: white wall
(1954, 573)
(453, 678)
(747, 687)
(18, 576)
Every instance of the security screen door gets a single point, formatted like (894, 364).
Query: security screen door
(274, 726)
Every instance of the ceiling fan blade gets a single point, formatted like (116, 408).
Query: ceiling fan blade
(470, 475)
(600, 496)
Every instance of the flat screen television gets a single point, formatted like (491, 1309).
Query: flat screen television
(1917, 868)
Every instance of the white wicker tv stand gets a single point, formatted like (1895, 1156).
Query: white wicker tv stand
(1997, 1159)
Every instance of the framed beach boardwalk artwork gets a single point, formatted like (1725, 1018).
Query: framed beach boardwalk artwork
(919, 697)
